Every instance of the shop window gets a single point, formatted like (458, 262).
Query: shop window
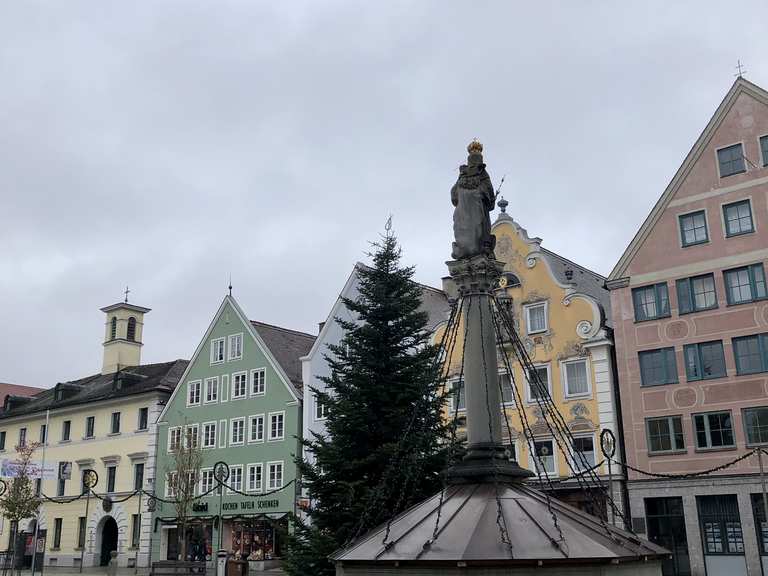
(720, 524)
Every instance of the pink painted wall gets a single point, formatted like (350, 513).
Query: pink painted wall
(659, 259)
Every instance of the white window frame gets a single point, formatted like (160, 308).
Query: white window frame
(269, 432)
(186, 436)
(512, 382)
(230, 481)
(564, 378)
(254, 466)
(215, 435)
(171, 431)
(271, 486)
(317, 404)
(263, 372)
(214, 344)
(236, 375)
(190, 386)
(532, 456)
(232, 422)
(575, 461)
(528, 398)
(230, 352)
(203, 489)
(222, 433)
(207, 386)
(224, 389)
(253, 417)
(528, 308)
(453, 383)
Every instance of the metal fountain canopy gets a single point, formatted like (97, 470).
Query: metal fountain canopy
(488, 518)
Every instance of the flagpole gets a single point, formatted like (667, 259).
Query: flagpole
(42, 477)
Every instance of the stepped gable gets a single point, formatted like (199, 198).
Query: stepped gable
(287, 346)
(127, 381)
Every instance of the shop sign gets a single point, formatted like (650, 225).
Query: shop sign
(200, 507)
(251, 505)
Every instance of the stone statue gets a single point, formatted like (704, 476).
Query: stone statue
(474, 199)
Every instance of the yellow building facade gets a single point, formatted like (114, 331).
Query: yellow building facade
(561, 312)
(105, 423)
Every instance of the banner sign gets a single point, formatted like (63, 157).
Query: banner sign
(10, 469)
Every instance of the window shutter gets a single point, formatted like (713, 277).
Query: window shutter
(684, 296)
(638, 307)
(670, 365)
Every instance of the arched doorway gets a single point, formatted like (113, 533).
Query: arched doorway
(108, 540)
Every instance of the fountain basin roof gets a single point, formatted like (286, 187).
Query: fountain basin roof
(468, 532)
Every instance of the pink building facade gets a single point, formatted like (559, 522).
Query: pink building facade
(690, 314)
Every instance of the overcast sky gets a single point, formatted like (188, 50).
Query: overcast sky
(165, 145)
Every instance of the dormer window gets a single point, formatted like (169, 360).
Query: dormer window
(131, 335)
(113, 329)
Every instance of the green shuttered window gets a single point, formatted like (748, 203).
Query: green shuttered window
(704, 360)
(658, 367)
(745, 284)
(751, 354)
(651, 302)
(696, 293)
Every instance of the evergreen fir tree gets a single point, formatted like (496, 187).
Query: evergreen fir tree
(382, 451)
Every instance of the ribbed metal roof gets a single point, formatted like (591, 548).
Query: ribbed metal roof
(468, 531)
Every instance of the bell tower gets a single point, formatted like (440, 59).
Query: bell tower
(123, 330)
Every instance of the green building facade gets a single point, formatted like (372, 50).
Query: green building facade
(240, 400)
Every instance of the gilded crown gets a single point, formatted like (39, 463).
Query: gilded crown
(475, 147)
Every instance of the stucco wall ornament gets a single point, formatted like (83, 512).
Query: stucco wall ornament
(584, 328)
(580, 422)
(573, 349)
(534, 296)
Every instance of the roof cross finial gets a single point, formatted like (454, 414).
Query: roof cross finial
(127, 291)
(230, 284)
(740, 68)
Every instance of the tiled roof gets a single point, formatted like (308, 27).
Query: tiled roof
(17, 390)
(287, 346)
(97, 387)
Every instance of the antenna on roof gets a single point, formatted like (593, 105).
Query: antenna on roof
(127, 291)
(740, 69)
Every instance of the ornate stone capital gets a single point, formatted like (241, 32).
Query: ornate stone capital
(479, 274)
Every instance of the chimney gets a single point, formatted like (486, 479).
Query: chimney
(123, 330)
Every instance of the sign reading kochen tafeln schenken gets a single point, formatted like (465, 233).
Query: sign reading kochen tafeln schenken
(251, 505)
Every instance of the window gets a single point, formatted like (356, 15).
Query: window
(705, 360)
(543, 457)
(720, 524)
(738, 218)
(693, 228)
(321, 410)
(115, 423)
(237, 431)
(81, 532)
(138, 476)
(217, 350)
(209, 435)
(584, 452)
(111, 478)
(651, 302)
(235, 346)
(131, 334)
(254, 478)
(745, 284)
(191, 436)
(256, 428)
(235, 478)
(576, 378)
(696, 294)
(174, 439)
(239, 385)
(751, 354)
(539, 387)
(277, 426)
(38, 486)
(457, 389)
(731, 160)
(22, 436)
(536, 317)
(658, 367)
(60, 487)
(113, 328)
(758, 510)
(57, 533)
(207, 481)
(665, 434)
(275, 475)
(507, 394)
(2, 440)
(135, 530)
(90, 426)
(258, 381)
(713, 430)
(193, 393)
(43, 433)
(756, 425)
(66, 430)
(170, 484)
(764, 149)
(143, 418)
(211, 390)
